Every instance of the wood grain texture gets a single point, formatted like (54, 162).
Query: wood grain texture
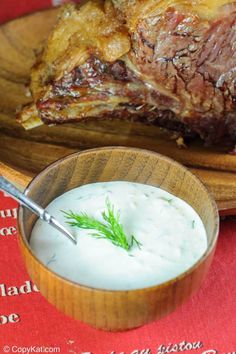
(19, 178)
(32, 150)
(118, 310)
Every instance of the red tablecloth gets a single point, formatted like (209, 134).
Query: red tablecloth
(28, 324)
(208, 319)
(10, 9)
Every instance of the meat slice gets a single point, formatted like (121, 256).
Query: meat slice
(168, 63)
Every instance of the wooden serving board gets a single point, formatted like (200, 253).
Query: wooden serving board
(32, 150)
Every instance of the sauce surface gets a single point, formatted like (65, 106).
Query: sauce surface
(172, 235)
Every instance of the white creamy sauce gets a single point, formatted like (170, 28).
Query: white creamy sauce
(172, 235)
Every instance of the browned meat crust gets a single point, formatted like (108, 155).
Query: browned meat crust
(170, 67)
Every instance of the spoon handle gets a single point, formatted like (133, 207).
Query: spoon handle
(17, 194)
(34, 207)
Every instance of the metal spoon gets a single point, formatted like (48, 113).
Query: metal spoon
(34, 207)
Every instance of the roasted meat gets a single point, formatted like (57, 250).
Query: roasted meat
(168, 63)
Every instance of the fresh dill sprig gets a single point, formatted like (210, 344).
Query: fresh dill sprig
(110, 229)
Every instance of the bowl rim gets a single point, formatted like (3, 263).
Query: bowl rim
(210, 248)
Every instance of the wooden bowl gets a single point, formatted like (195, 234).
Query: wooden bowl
(117, 310)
